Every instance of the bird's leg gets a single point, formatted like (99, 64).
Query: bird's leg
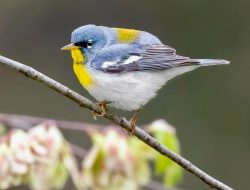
(103, 106)
(133, 121)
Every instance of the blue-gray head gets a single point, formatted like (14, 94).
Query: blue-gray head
(88, 39)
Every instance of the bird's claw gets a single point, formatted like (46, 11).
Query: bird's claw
(133, 122)
(103, 106)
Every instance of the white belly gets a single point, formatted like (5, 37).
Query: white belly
(132, 90)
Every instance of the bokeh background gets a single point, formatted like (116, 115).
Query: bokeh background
(209, 106)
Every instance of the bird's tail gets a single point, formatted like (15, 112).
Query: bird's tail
(208, 62)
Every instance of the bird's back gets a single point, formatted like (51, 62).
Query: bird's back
(129, 36)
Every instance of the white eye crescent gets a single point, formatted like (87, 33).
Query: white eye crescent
(90, 43)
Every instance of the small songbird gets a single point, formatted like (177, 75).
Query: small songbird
(124, 67)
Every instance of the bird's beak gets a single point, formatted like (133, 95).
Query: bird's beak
(70, 47)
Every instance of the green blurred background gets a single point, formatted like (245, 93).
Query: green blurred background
(209, 106)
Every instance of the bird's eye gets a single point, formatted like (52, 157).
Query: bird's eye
(89, 43)
(85, 44)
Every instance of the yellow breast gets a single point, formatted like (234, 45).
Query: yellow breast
(80, 69)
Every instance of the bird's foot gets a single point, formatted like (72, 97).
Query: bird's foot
(133, 122)
(103, 106)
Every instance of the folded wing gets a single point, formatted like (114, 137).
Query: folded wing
(153, 58)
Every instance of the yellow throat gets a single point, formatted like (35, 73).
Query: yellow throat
(80, 70)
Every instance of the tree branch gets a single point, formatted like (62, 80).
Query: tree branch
(121, 121)
(26, 122)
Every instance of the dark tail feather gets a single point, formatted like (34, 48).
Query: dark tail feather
(208, 62)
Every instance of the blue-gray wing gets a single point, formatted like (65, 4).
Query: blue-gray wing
(151, 58)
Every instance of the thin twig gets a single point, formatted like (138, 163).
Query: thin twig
(26, 122)
(121, 121)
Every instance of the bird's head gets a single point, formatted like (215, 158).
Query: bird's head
(85, 41)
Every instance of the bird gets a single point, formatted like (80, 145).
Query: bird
(125, 68)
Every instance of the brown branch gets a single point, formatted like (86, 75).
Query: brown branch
(26, 122)
(121, 121)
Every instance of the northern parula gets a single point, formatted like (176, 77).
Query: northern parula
(126, 67)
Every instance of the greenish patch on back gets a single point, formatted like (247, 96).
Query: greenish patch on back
(127, 35)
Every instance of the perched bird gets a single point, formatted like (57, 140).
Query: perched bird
(124, 67)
